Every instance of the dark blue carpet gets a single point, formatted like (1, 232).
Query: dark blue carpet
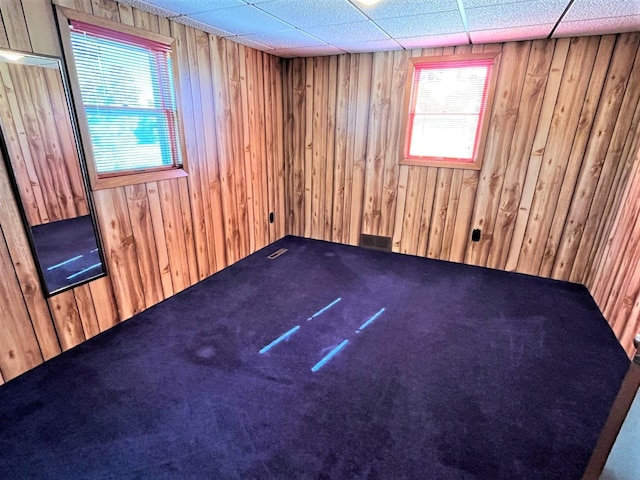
(467, 373)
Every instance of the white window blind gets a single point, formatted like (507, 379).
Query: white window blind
(128, 94)
(447, 103)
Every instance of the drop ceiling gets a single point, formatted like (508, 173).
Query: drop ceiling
(302, 28)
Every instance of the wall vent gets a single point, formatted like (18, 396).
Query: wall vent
(375, 242)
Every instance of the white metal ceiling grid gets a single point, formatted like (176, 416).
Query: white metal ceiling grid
(290, 28)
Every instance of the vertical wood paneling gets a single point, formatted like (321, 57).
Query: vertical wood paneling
(587, 135)
(626, 91)
(277, 202)
(67, 319)
(145, 244)
(564, 113)
(359, 98)
(316, 142)
(581, 57)
(616, 283)
(537, 151)
(120, 250)
(535, 82)
(160, 237)
(19, 255)
(19, 349)
(191, 110)
(15, 25)
(86, 311)
(511, 78)
(377, 141)
(104, 303)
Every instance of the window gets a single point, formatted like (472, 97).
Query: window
(126, 84)
(447, 106)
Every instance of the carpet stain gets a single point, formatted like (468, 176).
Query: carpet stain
(217, 348)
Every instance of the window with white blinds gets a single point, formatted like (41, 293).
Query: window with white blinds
(447, 105)
(127, 89)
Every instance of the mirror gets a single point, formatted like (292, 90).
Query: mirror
(41, 151)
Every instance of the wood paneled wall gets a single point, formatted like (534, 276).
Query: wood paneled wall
(39, 137)
(564, 113)
(316, 141)
(614, 279)
(159, 237)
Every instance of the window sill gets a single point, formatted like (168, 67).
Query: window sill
(136, 178)
(442, 163)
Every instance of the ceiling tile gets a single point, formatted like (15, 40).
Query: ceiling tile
(514, 15)
(313, 13)
(488, 3)
(250, 43)
(527, 32)
(395, 8)
(588, 9)
(242, 20)
(348, 33)
(185, 7)
(598, 26)
(201, 26)
(292, 38)
(374, 46)
(307, 51)
(418, 25)
(431, 41)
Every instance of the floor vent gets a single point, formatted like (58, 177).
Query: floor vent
(375, 242)
(277, 253)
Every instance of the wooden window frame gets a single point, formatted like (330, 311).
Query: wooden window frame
(120, 179)
(483, 126)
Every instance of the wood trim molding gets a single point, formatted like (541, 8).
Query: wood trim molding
(63, 15)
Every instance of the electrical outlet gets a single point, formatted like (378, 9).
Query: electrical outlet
(271, 217)
(475, 235)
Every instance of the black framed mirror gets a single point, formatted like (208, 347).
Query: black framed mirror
(40, 146)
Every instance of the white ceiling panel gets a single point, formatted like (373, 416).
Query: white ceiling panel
(444, 40)
(487, 3)
(629, 23)
(414, 26)
(391, 8)
(514, 15)
(242, 20)
(250, 43)
(589, 9)
(527, 32)
(349, 33)
(202, 26)
(325, 27)
(307, 51)
(185, 7)
(286, 39)
(314, 13)
(374, 46)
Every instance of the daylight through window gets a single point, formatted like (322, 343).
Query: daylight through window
(128, 95)
(448, 101)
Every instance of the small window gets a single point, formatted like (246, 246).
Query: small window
(447, 106)
(126, 85)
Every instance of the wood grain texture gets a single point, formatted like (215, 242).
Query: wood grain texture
(160, 237)
(616, 282)
(19, 350)
(316, 142)
(564, 117)
(66, 317)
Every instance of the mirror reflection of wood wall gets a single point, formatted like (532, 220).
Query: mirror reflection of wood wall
(41, 144)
